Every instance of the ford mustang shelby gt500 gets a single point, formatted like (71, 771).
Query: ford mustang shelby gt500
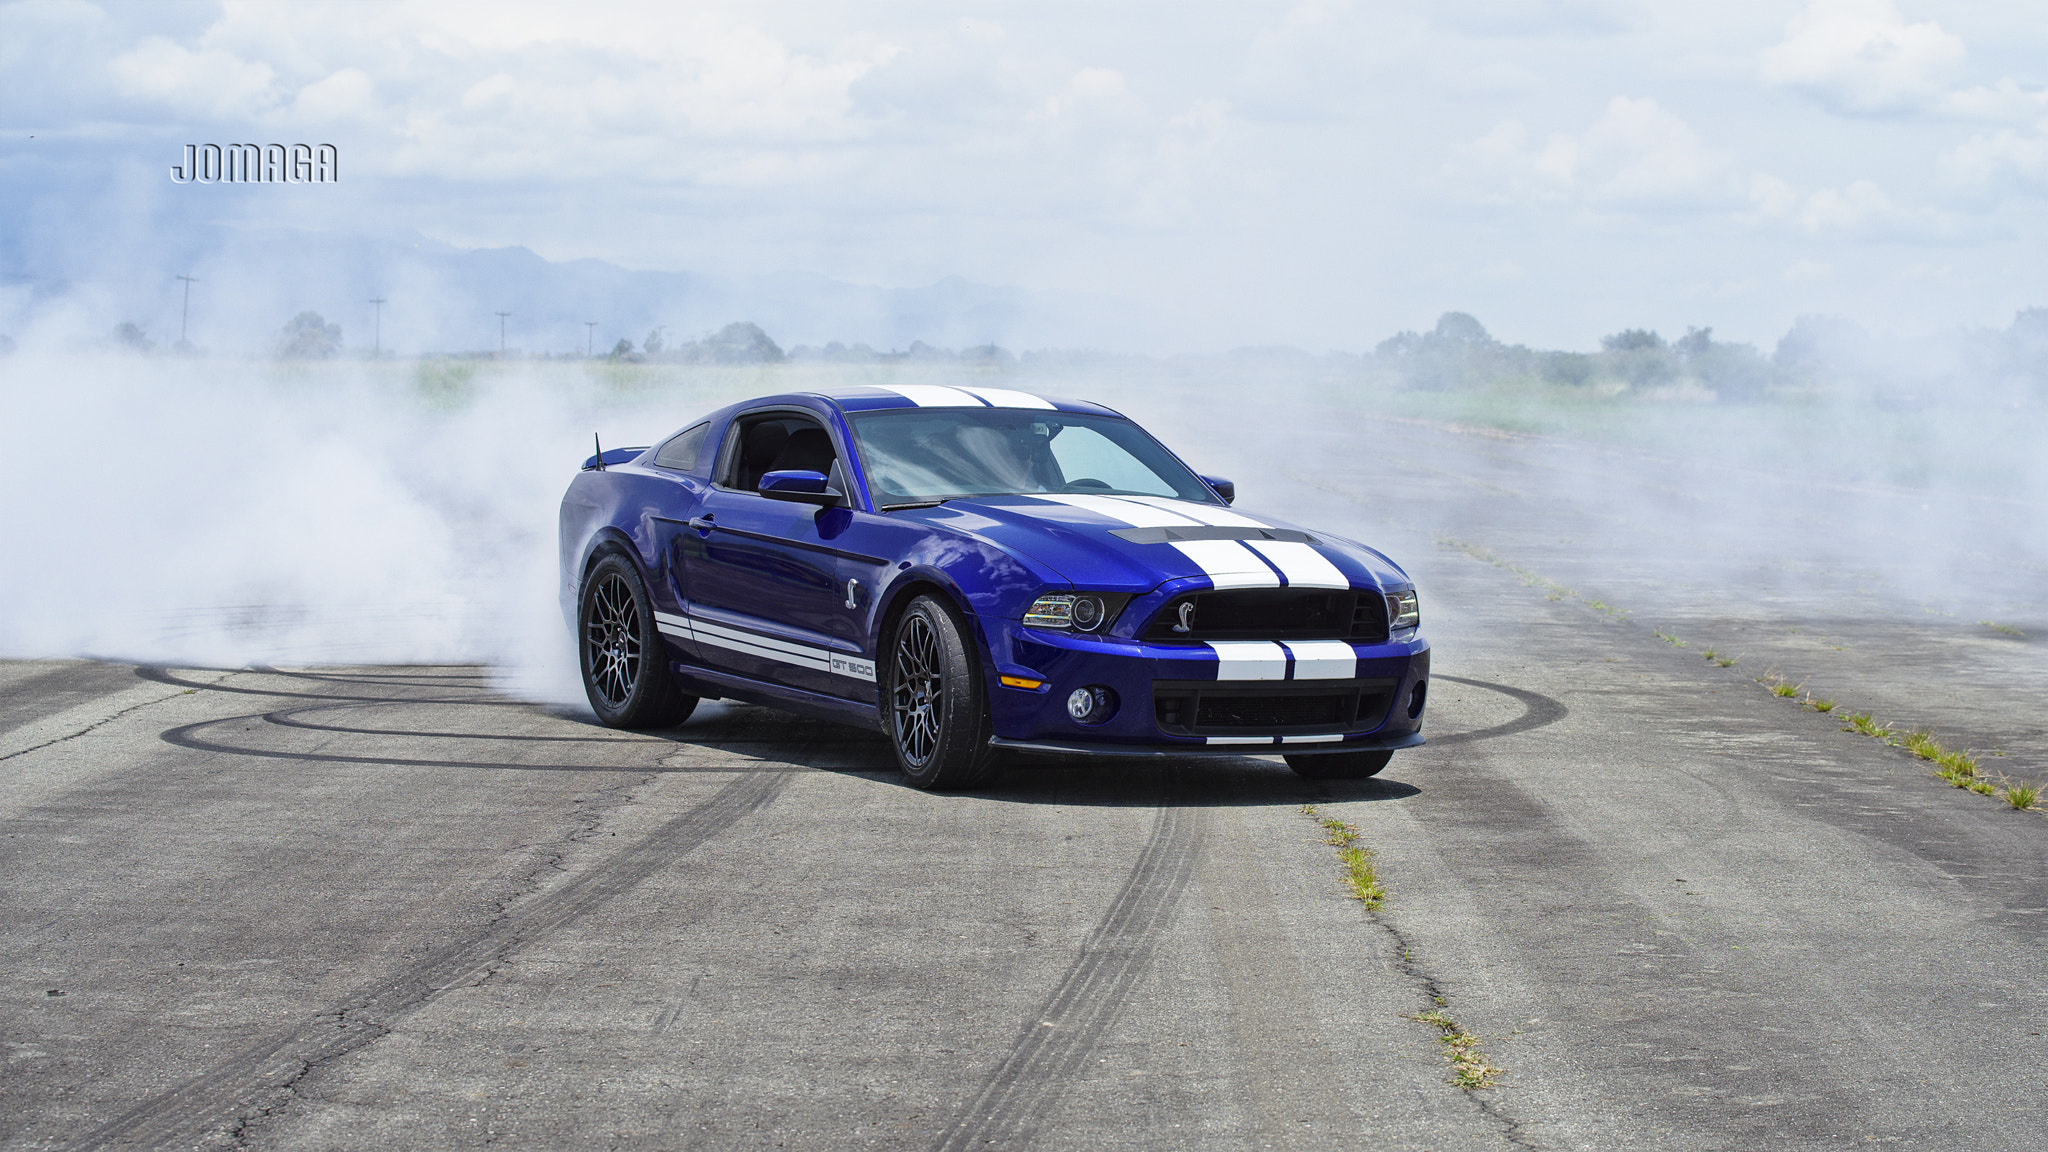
(979, 569)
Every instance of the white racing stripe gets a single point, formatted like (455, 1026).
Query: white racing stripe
(1330, 739)
(1237, 740)
(1123, 511)
(767, 647)
(935, 396)
(1249, 660)
(1323, 659)
(1010, 398)
(799, 654)
(1228, 563)
(1303, 566)
(1200, 513)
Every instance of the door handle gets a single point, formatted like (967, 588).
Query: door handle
(702, 524)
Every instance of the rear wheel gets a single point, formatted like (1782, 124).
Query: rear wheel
(625, 667)
(1340, 765)
(937, 717)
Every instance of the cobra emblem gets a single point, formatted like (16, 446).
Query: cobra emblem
(1187, 617)
(852, 593)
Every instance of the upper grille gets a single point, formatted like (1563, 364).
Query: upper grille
(1274, 614)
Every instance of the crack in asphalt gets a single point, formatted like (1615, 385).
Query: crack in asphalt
(1489, 1106)
(251, 1085)
(92, 727)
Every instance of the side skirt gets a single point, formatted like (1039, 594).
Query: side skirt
(700, 681)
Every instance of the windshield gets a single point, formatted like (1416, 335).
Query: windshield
(924, 455)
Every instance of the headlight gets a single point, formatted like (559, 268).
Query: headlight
(1403, 610)
(1080, 611)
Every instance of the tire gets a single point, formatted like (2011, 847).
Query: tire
(934, 706)
(1340, 765)
(625, 666)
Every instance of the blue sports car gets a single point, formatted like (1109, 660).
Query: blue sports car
(974, 570)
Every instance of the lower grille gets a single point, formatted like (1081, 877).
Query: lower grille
(1267, 711)
(1269, 707)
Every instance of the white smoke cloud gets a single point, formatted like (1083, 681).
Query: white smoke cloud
(236, 512)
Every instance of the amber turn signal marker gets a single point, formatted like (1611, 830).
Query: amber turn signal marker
(1022, 682)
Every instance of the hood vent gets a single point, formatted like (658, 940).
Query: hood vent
(1208, 532)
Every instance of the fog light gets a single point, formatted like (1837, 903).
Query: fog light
(1091, 705)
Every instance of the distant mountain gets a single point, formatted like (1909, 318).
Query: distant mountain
(439, 298)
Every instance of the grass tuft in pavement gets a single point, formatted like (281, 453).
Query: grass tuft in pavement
(2022, 796)
(1359, 874)
(1469, 1069)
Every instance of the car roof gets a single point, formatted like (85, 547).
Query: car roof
(874, 397)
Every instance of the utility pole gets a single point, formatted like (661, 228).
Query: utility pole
(379, 353)
(185, 316)
(589, 330)
(501, 333)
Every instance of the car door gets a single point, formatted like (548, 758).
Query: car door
(764, 593)
(683, 465)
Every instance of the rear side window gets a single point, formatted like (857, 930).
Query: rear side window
(680, 453)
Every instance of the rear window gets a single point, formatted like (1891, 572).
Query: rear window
(680, 453)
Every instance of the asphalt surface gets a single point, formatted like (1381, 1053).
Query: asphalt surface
(391, 907)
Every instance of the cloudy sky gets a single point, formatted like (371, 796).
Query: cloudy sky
(1320, 173)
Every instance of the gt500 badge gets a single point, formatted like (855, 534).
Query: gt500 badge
(851, 666)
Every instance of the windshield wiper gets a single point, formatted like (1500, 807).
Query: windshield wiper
(918, 504)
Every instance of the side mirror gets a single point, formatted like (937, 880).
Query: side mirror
(1224, 488)
(800, 485)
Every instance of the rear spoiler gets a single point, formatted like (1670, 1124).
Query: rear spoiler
(611, 456)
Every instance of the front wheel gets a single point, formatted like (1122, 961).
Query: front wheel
(937, 718)
(625, 667)
(1339, 765)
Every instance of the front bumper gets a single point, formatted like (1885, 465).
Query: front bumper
(1385, 683)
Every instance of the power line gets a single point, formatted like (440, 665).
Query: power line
(379, 353)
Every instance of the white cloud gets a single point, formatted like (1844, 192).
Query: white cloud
(1091, 92)
(1637, 156)
(2000, 160)
(1861, 56)
(345, 95)
(207, 82)
(1806, 271)
(1859, 210)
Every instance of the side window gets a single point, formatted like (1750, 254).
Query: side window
(680, 453)
(777, 443)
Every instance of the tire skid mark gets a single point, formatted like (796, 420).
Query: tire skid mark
(163, 676)
(289, 718)
(1539, 711)
(235, 1088)
(185, 736)
(1047, 1056)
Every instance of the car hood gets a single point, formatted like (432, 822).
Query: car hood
(1135, 543)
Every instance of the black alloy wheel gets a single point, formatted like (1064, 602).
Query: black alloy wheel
(937, 719)
(1339, 765)
(625, 666)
